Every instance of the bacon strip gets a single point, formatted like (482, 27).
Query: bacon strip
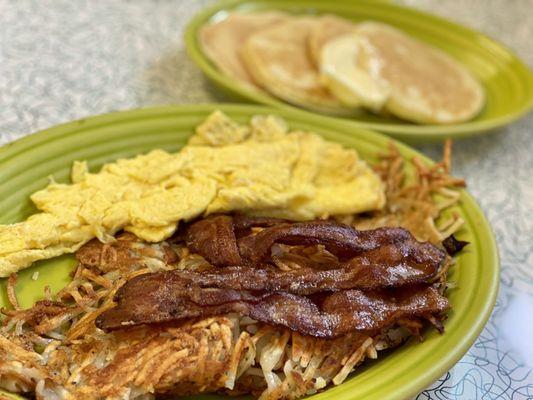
(341, 240)
(392, 258)
(378, 277)
(214, 239)
(359, 273)
(326, 316)
(452, 245)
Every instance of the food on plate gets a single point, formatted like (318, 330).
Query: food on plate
(326, 28)
(277, 58)
(153, 300)
(266, 300)
(332, 65)
(261, 169)
(385, 67)
(360, 275)
(222, 41)
(350, 69)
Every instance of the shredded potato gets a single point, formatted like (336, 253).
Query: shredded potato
(54, 350)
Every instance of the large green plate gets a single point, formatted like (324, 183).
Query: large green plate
(507, 81)
(25, 166)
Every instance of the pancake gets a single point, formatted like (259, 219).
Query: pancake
(426, 85)
(223, 40)
(277, 58)
(327, 27)
(343, 61)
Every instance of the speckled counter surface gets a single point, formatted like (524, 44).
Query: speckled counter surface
(62, 60)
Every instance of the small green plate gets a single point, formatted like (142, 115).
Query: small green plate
(507, 81)
(25, 166)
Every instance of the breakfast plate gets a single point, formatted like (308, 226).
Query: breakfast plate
(27, 165)
(507, 82)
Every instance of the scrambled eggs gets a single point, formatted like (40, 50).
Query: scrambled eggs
(260, 169)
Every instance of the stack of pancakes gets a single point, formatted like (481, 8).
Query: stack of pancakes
(331, 65)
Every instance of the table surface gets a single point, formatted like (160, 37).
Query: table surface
(62, 60)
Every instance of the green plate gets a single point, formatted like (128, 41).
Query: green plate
(25, 166)
(507, 81)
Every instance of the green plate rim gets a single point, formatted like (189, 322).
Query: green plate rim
(475, 219)
(402, 131)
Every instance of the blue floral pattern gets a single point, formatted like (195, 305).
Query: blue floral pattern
(62, 60)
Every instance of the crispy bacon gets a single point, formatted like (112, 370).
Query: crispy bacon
(388, 257)
(326, 316)
(452, 245)
(214, 239)
(374, 279)
(364, 272)
(341, 240)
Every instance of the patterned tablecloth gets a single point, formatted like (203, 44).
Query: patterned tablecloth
(62, 60)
